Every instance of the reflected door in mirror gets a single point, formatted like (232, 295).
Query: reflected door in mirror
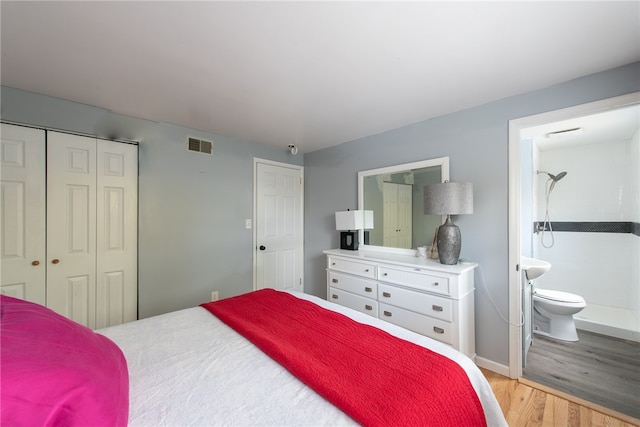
(397, 212)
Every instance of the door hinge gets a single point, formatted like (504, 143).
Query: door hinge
(300, 180)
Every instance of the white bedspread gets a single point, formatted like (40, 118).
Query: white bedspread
(187, 368)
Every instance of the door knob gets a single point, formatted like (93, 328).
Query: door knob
(262, 247)
(36, 262)
(55, 261)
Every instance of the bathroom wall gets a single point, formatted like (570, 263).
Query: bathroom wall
(601, 185)
(634, 206)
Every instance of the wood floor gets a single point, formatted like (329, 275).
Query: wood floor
(529, 404)
(597, 368)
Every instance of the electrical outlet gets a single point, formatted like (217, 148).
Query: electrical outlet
(214, 296)
(247, 223)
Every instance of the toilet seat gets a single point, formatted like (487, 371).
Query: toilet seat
(559, 296)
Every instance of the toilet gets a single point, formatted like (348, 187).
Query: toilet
(553, 313)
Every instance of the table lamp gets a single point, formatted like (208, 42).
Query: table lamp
(348, 223)
(448, 198)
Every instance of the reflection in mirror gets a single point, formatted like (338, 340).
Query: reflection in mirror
(395, 195)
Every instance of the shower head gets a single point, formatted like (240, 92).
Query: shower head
(554, 178)
(558, 177)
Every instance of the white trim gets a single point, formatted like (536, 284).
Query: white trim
(515, 126)
(515, 302)
(256, 161)
(440, 161)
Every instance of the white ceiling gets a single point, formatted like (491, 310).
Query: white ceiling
(314, 74)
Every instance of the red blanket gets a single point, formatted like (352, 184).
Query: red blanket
(374, 377)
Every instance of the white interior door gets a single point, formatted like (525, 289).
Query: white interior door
(71, 226)
(22, 213)
(117, 237)
(279, 226)
(527, 312)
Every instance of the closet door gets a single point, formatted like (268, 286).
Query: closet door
(22, 213)
(390, 214)
(71, 226)
(397, 212)
(117, 243)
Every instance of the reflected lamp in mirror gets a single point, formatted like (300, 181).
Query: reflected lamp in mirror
(368, 225)
(448, 198)
(348, 223)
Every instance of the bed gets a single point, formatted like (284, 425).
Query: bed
(189, 367)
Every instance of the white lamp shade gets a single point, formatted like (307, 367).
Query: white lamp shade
(354, 220)
(449, 198)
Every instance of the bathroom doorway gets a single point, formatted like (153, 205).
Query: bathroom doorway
(557, 144)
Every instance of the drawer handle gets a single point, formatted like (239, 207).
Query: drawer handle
(333, 263)
(368, 289)
(385, 274)
(367, 270)
(368, 307)
(436, 308)
(386, 294)
(334, 280)
(334, 296)
(387, 313)
(436, 284)
(438, 330)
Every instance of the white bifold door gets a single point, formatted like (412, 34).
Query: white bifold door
(90, 265)
(397, 215)
(22, 213)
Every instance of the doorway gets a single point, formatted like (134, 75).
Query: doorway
(593, 164)
(278, 232)
(517, 235)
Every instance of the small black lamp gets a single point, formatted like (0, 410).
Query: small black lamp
(348, 223)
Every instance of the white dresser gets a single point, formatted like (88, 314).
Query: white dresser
(419, 294)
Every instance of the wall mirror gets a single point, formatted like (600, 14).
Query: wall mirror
(395, 195)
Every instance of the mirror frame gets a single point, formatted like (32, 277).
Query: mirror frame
(443, 162)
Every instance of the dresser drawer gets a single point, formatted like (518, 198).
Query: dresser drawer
(431, 305)
(357, 285)
(424, 325)
(415, 278)
(356, 302)
(363, 269)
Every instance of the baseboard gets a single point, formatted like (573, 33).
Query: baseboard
(492, 366)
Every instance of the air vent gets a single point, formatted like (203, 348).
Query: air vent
(201, 146)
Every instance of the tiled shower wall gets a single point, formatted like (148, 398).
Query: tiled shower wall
(598, 204)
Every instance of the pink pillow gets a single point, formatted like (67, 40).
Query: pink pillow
(54, 371)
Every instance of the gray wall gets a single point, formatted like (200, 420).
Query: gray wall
(476, 141)
(192, 207)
